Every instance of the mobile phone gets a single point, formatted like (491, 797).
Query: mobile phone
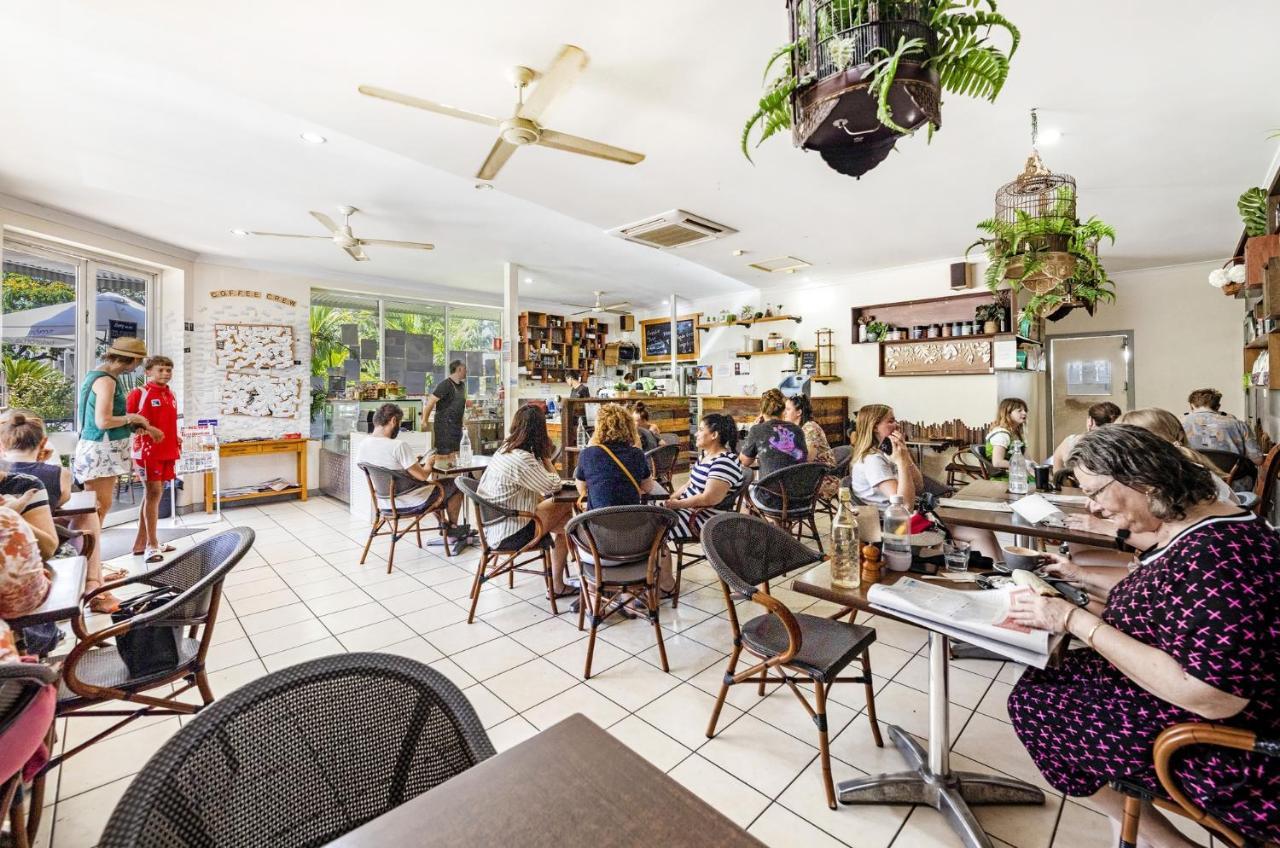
(886, 447)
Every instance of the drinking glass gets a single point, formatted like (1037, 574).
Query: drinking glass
(956, 555)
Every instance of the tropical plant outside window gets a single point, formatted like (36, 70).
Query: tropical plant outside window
(39, 360)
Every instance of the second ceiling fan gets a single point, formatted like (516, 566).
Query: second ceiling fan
(343, 237)
(523, 126)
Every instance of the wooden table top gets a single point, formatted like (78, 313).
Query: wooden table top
(996, 491)
(572, 784)
(80, 503)
(816, 582)
(479, 462)
(63, 600)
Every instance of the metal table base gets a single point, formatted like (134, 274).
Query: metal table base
(929, 778)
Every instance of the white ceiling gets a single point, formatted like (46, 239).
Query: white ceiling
(179, 121)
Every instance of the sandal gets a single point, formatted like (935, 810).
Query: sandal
(111, 575)
(154, 555)
(104, 603)
(569, 592)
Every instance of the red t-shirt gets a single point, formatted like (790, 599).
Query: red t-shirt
(157, 404)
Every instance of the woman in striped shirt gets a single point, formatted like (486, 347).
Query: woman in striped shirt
(714, 478)
(521, 477)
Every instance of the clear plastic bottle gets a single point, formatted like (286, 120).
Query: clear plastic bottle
(845, 546)
(464, 449)
(1017, 470)
(582, 434)
(896, 535)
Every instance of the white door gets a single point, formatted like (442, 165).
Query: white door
(1085, 369)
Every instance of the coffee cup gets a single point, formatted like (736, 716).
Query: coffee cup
(1022, 558)
(1044, 477)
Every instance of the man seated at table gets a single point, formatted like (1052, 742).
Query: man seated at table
(449, 400)
(1209, 428)
(384, 450)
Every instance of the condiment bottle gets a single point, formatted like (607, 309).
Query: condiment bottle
(870, 564)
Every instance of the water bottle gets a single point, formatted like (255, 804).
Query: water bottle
(464, 449)
(896, 535)
(1017, 470)
(582, 434)
(845, 547)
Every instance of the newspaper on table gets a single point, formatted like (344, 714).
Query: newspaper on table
(978, 617)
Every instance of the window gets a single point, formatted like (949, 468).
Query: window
(344, 340)
(471, 334)
(414, 345)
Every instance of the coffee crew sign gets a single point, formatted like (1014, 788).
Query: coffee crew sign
(287, 301)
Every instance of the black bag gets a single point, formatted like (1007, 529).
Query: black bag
(151, 649)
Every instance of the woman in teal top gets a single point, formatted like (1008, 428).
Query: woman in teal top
(102, 454)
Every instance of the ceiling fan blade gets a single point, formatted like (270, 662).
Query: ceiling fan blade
(498, 157)
(286, 235)
(412, 245)
(583, 311)
(624, 306)
(356, 253)
(429, 105)
(568, 64)
(587, 147)
(326, 222)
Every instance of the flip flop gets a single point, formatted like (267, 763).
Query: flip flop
(111, 575)
(167, 549)
(154, 556)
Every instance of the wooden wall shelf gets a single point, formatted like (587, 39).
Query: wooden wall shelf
(745, 355)
(551, 346)
(747, 322)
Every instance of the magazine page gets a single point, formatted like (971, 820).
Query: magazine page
(984, 613)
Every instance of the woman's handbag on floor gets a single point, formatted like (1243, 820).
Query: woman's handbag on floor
(151, 649)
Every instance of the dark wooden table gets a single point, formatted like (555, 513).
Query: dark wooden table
(449, 468)
(571, 785)
(79, 503)
(996, 491)
(63, 600)
(928, 778)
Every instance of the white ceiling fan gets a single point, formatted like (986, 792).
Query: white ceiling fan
(342, 237)
(622, 307)
(523, 126)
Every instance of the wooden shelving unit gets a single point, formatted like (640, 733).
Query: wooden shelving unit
(746, 355)
(832, 379)
(552, 347)
(747, 322)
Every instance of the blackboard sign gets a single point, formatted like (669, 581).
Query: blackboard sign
(809, 360)
(657, 338)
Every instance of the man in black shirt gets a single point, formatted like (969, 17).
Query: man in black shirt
(449, 400)
(577, 388)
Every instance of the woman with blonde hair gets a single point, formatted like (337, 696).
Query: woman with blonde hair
(1011, 416)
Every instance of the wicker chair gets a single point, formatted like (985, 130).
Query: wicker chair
(747, 553)
(95, 673)
(843, 456)
(680, 545)
(1168, 746)
(617, 549)
(1241, 471)
(302, 756)
(385, 483)
(970, 462)
(28, 699)
(495, 561)
(789, 497)
(1268, 485)
(664, 458)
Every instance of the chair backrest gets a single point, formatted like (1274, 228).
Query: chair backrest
(302, 756)
(194, 573)
(487, 512)
(1235, 466)
(663, 458)
(843, 458)
(1268, 485)
(980, 451)
(388, 483)
(624, 533)
(799, 483)
(28, 701)
(747, 551)
(669, 439)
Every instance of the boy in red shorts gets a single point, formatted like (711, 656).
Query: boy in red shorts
(155, 450)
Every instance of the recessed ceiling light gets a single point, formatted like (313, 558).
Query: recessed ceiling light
(483, 186)
(240, 232)
(528, 279)
(1050, 136)
(312, 138)
(666, 301)
(739, 252)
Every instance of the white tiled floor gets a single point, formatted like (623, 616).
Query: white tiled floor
(302, 594)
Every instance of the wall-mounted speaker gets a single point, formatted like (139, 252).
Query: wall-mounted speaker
(626, 323)
(961, 276)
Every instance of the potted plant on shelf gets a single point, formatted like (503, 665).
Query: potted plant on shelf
(860, 74)
(988, 314)
(875, 331)
(746, 313)
(1261, 244)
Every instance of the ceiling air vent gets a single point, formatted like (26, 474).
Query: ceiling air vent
(782, 263)
(676, 228)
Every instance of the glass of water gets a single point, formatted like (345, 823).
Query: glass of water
(956, 555)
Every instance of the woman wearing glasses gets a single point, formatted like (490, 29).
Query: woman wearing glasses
(1189, 634)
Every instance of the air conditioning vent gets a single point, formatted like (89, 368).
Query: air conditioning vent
(676, 228)
(781, 263)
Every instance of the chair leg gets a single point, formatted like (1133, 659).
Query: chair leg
(391, 557)
(417, 528)
(475, 587)
(817, 538)
(442, 519)
(373, 531)
(546, 573)
(1132, 816)
(582, 603)
(824, 750)
(724, 690)
(675, 590)
(596, 610)
(652, 594)
(202, 683)
(871, 695)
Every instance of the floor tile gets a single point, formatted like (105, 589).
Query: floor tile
(632, 683)
(649, 742)
(271, 619)
(579, 699)
(1080, 827)
(492, 658)
(354, 617)
(489, 707)
(781, 709)
(963, 687)
(762, 756)
(376, 636)
(996, 702)
(117, 756)
(510, 733)
(909, 709)
(863, 826)
(265, 583)
(302, 653)
(734, 799)
(346, 599)
(328, 585)
(778, 827)
(532, 683)
(993, 743)
(229, 653)
(433, 618)
(417, 597)
(415, 648)
(460, 636)
(289, 636)
(515, 617)
(266, 601)
(548, 635)
(450, 669)
(573, 657)
(79, 820)
(685, 657)
(683, 714)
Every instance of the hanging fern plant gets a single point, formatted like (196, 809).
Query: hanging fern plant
(1253, 211)
(947, 45)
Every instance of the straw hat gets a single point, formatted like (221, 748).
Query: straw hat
(132, 348)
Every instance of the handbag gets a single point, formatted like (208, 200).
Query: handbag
(151, 649)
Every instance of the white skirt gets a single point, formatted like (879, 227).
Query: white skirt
(94, 460)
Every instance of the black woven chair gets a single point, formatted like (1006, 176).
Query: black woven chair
(681, 545)
(495, 561)
(27, 706)
(843, 456)
(1241, 471)
(789, 498)
(972, 462)
(94, 672)
(747, 553)
(398, 522)
(664, 458)
(617, 549)
(301, 756)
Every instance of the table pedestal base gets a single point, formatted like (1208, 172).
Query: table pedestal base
(950, 795)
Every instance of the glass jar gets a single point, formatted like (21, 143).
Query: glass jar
(935, 331)
(946, 331)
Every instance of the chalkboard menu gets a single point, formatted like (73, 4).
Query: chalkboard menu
(656, 338)
(809, 360)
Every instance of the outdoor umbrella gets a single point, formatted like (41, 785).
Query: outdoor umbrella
(55, 326)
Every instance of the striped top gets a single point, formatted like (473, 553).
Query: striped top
(723, 467)
(516, 480)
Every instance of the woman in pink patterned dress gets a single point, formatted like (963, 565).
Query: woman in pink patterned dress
(1191, 633)
(24, 582)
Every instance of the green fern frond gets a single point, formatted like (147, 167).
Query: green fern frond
(883, 73)
(1253, 211)
(784, 50)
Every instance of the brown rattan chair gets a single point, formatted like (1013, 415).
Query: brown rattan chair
(663, 459)
(1168, 746)
(95, 673)
(302, 756)
(971, 462)
(1241, 471)
(681, 546)
(843, 456)
(28, 699)
(495, 561)
(747, 553)
(396, 521)
(788, 497)
(1268, 485)
(617, 549)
